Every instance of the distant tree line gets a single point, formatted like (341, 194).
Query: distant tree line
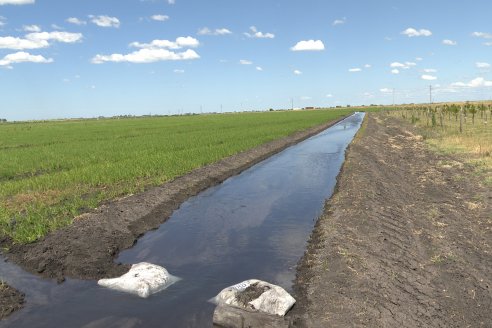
(3, 120)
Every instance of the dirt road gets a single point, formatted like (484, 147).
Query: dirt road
(406, 241)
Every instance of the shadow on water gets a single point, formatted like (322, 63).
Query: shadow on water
(254, 225)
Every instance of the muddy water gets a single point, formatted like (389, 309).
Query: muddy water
(254, 225)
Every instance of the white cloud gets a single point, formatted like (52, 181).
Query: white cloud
(395, 71)
(257, 34)
(409, 64)
(76, 21)
(171, 2)
(386, 90)
(449, 42)
(475, 83)
(419, 59)
(482, 35)
(146, 56)
(411, 32)
(105, 21)
(181, 42)
(56, 27)
(258, 68)
(16, 2)
(297, 72)
(38, 40)
(368, 95)
(31, 28)
(397, 64)
(329, 95)
(9, 42)
(309, 45)
(245, 62)
(482, 65)
(354, 70)
(159, 18)
(64, 37)
(367, 66)
(2, 21)
(23, 57)
(487, 44)
(339, 21)
(217, 31)
(428, 77)
(179, 71)
(430, 70)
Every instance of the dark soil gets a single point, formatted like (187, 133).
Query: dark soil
(406, 241)
(251, 293)
(10, 300)
(87, 248)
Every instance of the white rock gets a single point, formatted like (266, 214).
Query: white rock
(272, 300)
(143, 279)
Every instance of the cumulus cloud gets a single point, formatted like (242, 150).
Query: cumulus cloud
(16, 2)
(411, 32)
(146, 56)
(354, 70)
(217, 31)
(395, 71)
(31, 28)
(105, 21)
(339, 21)
(475, 83)
(386, 90)
(171, 2)
(405, 65)
(38, 40)
(258, 68)
(430, 70)
(76, 21)
(181, 42)
(309, 45)
(245, 62)
(367, 66)
(329, 95)
(159, 18)
(297, 72)
(23, 57)
(179, 71)
(255, 34)
(449, 42)
(482, 65)
(482, 35)
(428, 77)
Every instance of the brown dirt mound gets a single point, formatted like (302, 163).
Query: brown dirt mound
(87, 248)
(10, 300)
(404, 242)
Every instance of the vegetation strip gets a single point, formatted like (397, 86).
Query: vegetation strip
(87, 248)
(405, 240)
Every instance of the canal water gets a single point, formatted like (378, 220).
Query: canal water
(253, 225)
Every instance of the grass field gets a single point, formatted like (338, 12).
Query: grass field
(473, 144)
(52, 171)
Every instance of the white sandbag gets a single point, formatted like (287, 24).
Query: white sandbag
(143, 279)
(257, 296)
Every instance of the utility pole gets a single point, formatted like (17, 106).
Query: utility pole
(292, 103)
(430, 94)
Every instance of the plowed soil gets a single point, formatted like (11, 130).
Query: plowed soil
(406, 241)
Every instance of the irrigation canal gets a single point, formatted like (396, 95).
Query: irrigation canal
(254, 225)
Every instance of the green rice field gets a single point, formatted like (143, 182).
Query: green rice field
(52, 171)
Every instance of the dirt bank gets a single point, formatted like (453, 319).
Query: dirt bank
(406, 241)
(88, 247)
(10, 300)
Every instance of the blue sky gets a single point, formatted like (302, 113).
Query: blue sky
(87, 58)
